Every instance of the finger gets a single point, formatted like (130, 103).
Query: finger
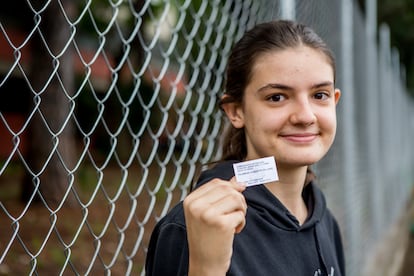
(240, 186)
(242, 223)
(217, 212)
(220, 200)
(234, 221)
(213, 191)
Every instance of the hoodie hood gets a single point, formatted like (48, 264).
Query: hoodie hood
(270, 207)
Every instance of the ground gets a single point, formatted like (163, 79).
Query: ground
(107, 229)
(408, 264)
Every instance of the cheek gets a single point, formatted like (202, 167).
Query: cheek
(262, 121)
(328, 122)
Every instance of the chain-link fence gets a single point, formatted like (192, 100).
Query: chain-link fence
(108, 111)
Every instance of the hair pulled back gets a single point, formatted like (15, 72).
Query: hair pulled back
(263, 38)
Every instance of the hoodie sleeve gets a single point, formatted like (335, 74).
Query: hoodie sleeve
(168, 250)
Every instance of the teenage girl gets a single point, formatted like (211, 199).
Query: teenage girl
(280, 99)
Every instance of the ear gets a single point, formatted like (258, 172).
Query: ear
(234, 112)
(337, 95)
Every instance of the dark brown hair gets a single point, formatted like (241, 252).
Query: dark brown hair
(263, 38)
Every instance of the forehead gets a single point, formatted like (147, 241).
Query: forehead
(296, 64)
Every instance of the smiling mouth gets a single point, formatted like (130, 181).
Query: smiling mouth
(300, 137)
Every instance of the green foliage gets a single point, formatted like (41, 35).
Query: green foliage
(399, 16)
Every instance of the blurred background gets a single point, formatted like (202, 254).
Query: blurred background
(108, 113)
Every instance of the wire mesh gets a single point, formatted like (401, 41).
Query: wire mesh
(108, 112)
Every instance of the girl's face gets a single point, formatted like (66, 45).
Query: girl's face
(288, 110)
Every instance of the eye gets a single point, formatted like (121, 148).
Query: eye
(321, 95)
(276, 98)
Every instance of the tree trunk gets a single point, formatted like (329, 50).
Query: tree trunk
(52, 147)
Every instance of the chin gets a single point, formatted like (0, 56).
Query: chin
(300, 161)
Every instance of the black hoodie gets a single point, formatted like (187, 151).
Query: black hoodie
(272, 242)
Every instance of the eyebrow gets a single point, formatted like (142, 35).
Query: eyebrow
(286, 87)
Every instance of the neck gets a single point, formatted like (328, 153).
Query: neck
(289, 191)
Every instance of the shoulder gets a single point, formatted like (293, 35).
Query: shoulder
(170, 227)
(320, 208)
(167, 251)
(174, 218)
(326, 218)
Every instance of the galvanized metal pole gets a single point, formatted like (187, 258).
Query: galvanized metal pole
(348, 135)
(288, 9)
(372, 112)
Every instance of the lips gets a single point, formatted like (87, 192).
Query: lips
(300, 137)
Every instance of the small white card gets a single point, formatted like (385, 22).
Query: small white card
(255, 172)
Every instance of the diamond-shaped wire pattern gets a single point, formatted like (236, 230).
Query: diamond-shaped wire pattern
(108, 113)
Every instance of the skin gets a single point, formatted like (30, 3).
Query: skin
(214, 213)
(289, 112)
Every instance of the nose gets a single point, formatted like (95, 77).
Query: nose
(303, 113)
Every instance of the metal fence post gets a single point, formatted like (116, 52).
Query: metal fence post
(288, 9)
(348, 132)
(372, 116)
